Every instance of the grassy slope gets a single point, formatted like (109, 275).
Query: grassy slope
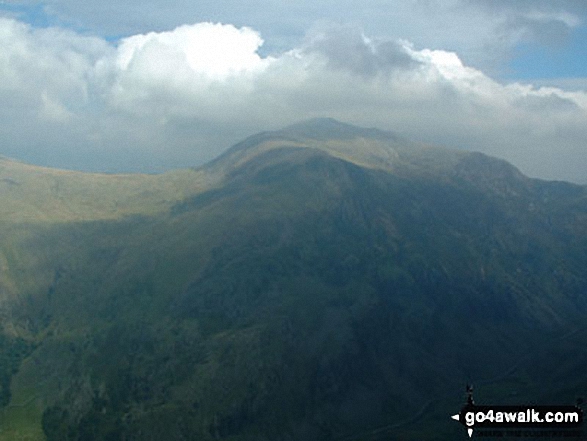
(302, 292)
(37, 194)
(36, 200)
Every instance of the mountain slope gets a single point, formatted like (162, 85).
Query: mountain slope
(331, 282)
(371, 148)
(38, 194)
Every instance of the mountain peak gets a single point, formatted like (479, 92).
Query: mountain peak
(374, 149)
(369, 147)
(330, 128)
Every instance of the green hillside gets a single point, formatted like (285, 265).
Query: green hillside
(322, 282)
(37, 194)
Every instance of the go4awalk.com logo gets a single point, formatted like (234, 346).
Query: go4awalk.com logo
(556, 420)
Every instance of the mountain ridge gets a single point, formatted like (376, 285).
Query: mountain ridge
(299, 287)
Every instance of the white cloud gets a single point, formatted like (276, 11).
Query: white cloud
(44, 74)
(179, 97)
(216, 50)
(187, 71)
(483, 32)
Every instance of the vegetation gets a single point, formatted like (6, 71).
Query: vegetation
(324, 282)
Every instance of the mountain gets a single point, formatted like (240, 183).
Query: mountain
(320, 282)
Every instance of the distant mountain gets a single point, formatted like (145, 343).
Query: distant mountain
(320, 282)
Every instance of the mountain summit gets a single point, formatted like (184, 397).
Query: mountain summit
(320, 282)
(325, 129)
(371, 148)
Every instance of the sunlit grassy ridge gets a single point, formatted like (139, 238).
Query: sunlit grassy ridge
(31, 193)
(319, 282)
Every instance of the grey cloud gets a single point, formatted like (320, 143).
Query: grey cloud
(68, 103)
(510, 23)
(347, 48)
(546, 31)
(568, 84)
(542, 21)
(546, 104)
(469, 27)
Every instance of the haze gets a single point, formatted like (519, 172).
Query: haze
(150, 86)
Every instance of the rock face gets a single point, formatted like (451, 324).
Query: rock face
(320, 282)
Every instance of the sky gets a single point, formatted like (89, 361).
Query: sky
(148, 86)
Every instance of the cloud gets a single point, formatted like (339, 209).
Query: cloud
(47, 64)
(176, 98)
(539, 22)
(180, 72)
(348, 48)
(483, 32)
(214, 50)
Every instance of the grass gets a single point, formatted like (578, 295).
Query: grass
(21, 419)
(310, 280)
(16, 423)
(36, 194)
